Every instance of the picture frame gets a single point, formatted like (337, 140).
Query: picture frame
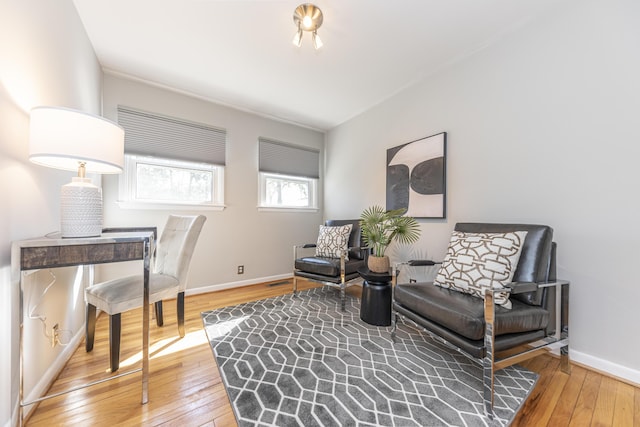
(416, 177)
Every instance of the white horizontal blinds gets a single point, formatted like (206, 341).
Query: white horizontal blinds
(170, 138)
(278, 157)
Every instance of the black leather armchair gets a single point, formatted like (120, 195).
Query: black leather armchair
(336, 272)
(496, 336)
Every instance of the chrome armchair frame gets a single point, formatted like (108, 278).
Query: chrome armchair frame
(341, 282)
(492, 360)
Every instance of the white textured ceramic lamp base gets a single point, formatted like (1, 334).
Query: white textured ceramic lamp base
(81, 209)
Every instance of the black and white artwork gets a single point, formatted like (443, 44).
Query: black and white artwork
(416, 177)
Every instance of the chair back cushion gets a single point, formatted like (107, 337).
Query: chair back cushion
(333, 241)
(355, 239)
(476, 262)
(176, 245)
(535, 261)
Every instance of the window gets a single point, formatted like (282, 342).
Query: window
(288, 175)
(153, 180)
(171, 161)
(280, 191)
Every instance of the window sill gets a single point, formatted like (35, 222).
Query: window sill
(168, 206)
(279, 209)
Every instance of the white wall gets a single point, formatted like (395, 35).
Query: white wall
(45, 59)
(240, 234)
(542, 128)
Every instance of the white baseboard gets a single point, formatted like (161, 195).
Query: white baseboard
(606, 367)
(240, 283)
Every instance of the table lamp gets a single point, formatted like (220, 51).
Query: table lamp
(66, 139)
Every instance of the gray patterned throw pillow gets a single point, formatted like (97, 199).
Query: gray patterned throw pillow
(477, 261)
(333, 240)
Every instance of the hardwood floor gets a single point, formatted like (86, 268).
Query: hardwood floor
(185, 387)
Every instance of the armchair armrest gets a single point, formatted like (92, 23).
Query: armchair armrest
(414, 263)
(300, 247)
(561, 305)
(305, 245)
(297, 248)
(555, 283)
(363, 250)
(421, 262)
(521, 287)
(395, 271)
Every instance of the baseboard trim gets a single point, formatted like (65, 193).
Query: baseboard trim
(238, 284)
(605, 367)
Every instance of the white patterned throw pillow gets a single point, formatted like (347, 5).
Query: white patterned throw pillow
(478, 261)
(333, 240)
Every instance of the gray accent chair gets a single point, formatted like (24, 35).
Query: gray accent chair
(167, 280)
(495, 336)
(335, 272)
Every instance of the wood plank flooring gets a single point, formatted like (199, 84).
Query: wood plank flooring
(185, 388)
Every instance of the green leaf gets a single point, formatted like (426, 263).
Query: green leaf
(379, 228)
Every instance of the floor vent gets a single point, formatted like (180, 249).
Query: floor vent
(282, 282)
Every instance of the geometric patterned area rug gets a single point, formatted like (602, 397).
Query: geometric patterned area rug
(300, 361)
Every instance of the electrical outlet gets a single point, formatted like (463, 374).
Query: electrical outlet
(54, 335)
(241, 269)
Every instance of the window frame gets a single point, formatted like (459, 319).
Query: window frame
(262, 192)
(127, 197)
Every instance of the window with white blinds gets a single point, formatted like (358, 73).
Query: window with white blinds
(156, 135)
(170, 162)
(288, 176)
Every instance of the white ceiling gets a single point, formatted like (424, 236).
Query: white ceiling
(239, 52)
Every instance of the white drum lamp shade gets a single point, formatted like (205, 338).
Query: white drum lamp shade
(67, 139)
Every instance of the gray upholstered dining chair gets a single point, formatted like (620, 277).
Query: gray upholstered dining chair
(168, 279)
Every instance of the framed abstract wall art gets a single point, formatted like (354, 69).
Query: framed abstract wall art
(416, 177)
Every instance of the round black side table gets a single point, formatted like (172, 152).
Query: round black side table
(375, 305)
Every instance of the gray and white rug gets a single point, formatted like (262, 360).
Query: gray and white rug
(300, 361)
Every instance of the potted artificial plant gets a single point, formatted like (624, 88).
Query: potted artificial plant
(379, 228)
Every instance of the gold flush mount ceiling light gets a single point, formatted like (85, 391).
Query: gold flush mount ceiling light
(307, 17)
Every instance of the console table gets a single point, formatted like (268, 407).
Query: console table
(114, 245)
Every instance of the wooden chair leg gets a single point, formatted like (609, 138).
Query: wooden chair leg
(89, 327)
(114, 341)
(180, 310)
(159, 317)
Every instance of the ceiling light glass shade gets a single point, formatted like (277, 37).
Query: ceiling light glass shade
(297, 38)
(307, 17)
(72, 140)
(317, 43)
